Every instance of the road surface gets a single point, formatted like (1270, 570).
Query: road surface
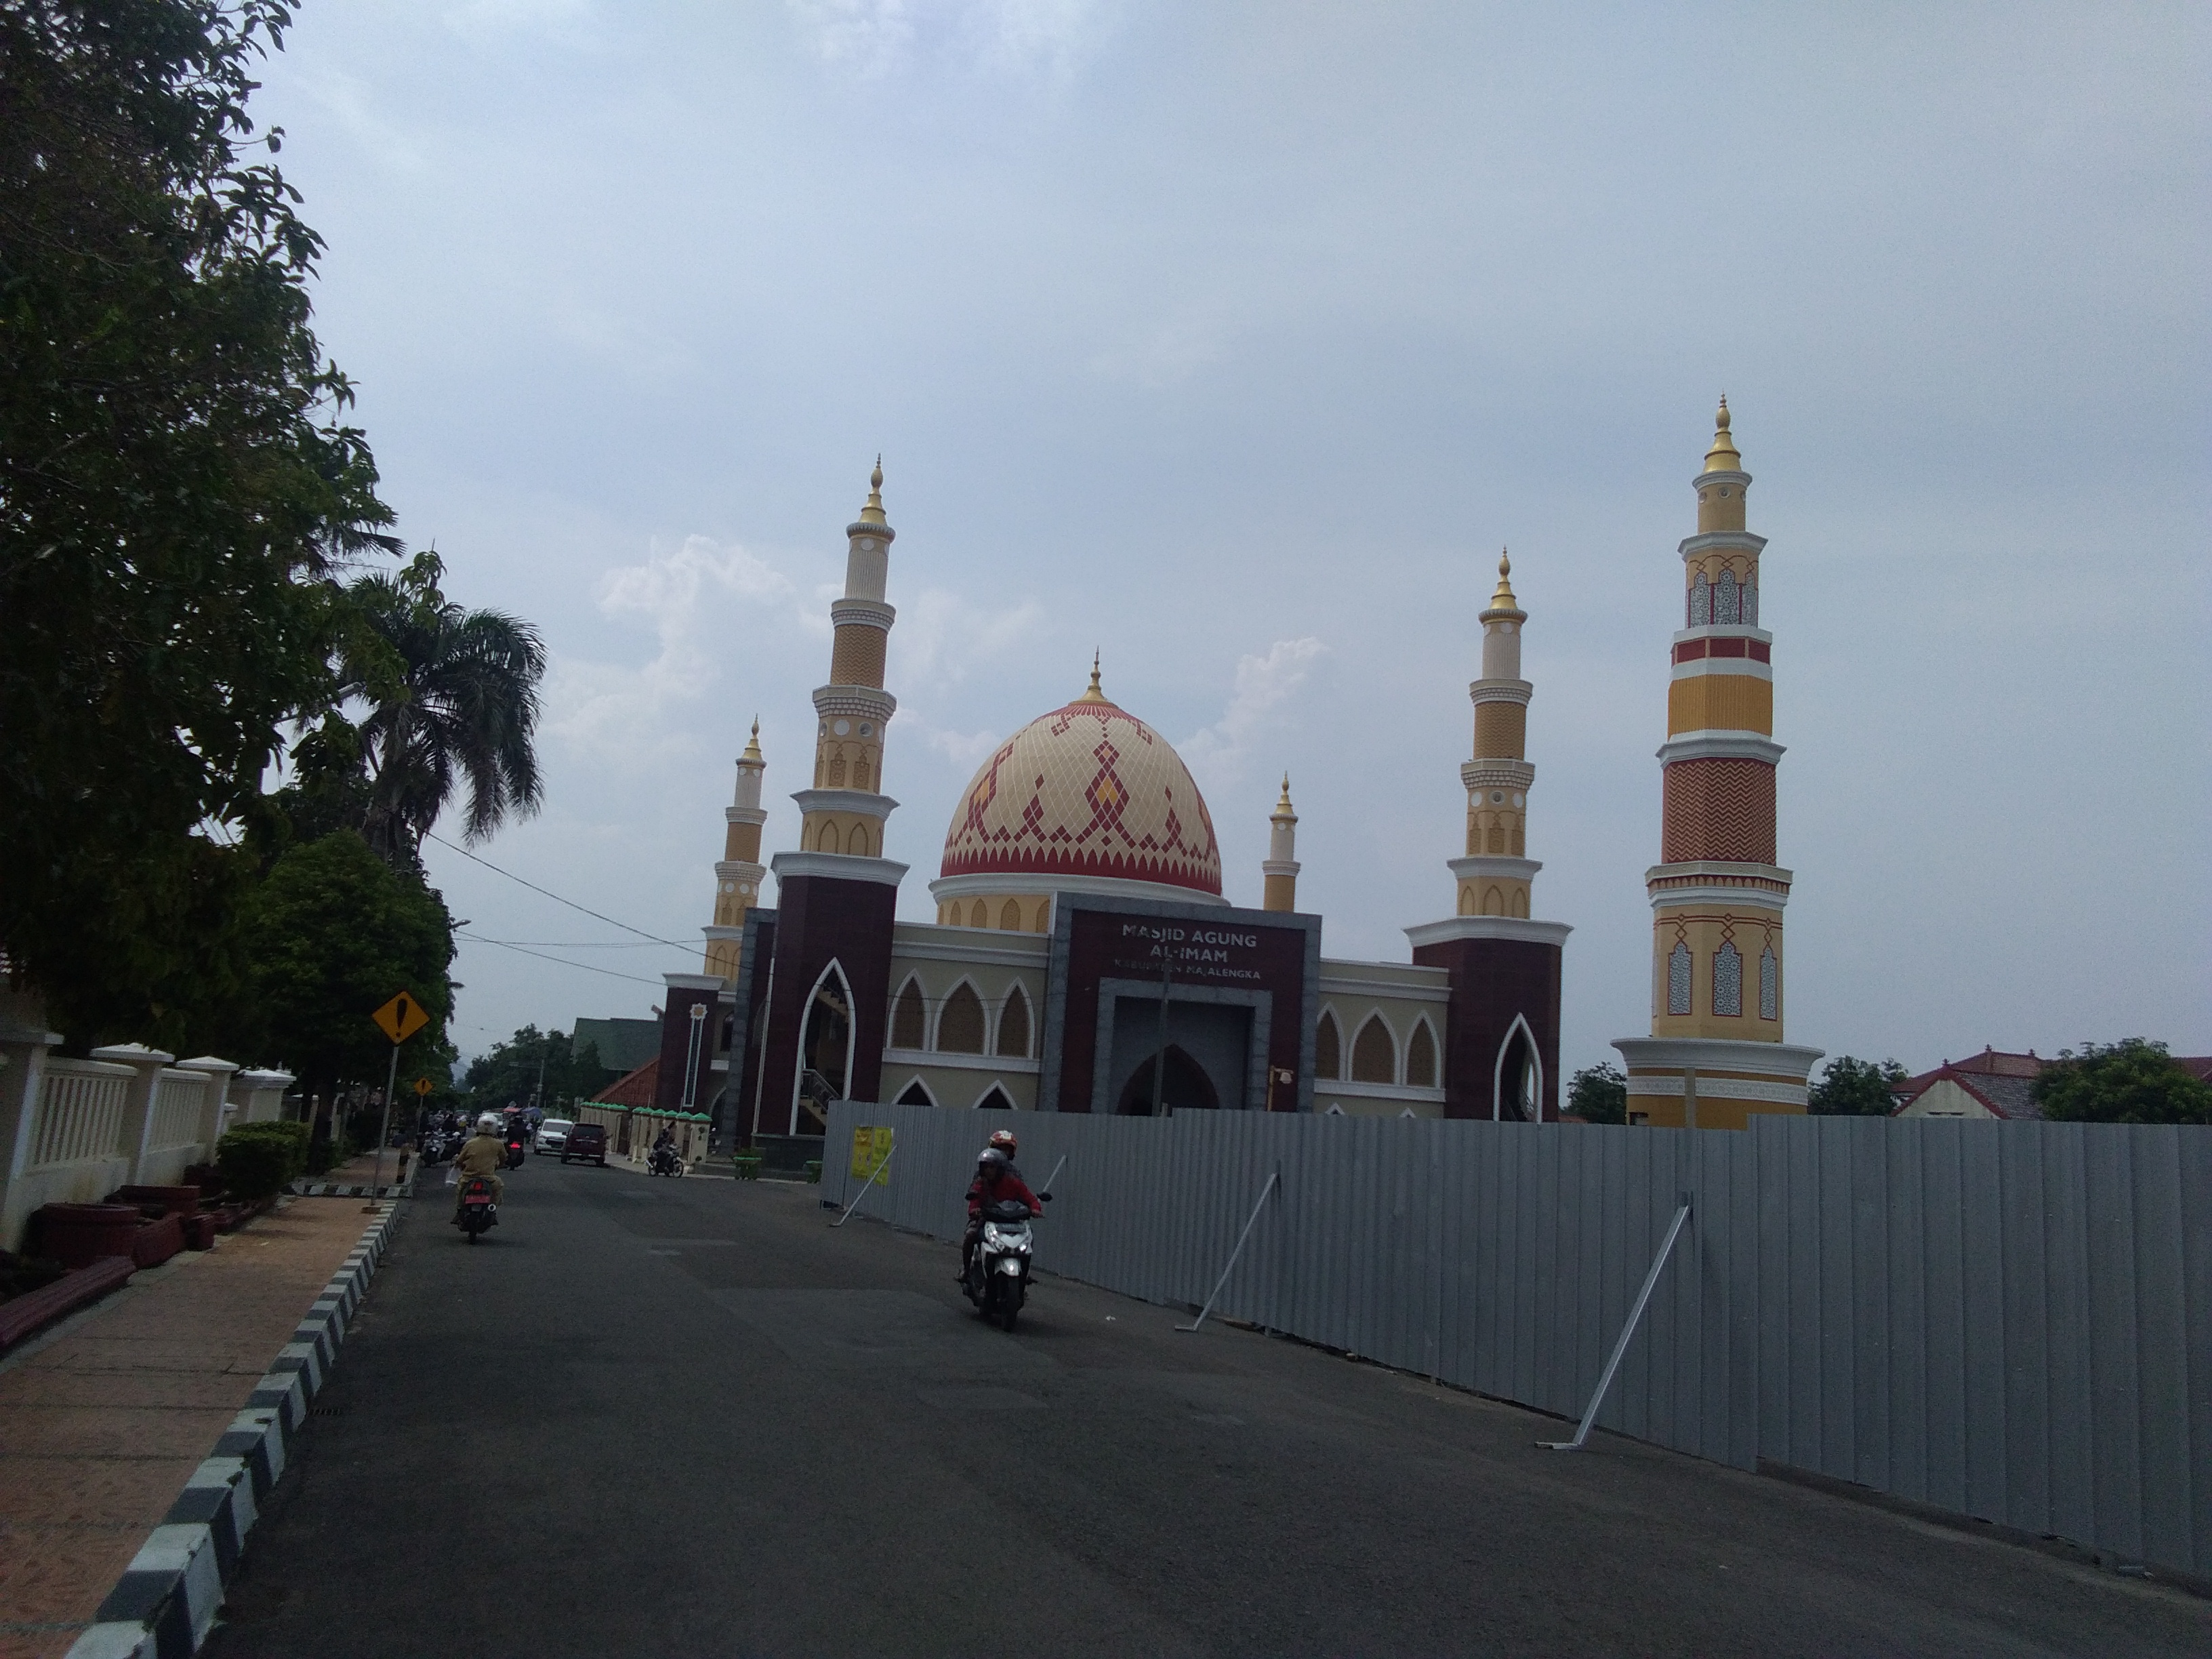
(685, 1418)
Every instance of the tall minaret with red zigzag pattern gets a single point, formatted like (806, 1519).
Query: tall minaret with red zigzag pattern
(1716, 1057)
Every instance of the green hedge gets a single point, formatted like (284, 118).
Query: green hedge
(256, 1159)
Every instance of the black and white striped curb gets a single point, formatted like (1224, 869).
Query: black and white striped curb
(333, 1189)
(166, 1600)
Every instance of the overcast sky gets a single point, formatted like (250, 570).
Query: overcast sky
(1235, 341)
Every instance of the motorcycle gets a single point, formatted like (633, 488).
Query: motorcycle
(663, 1161)
(517, 1148)
(998, 1278)
(478, 1212)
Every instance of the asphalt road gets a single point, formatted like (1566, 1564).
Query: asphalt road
(685, 1418)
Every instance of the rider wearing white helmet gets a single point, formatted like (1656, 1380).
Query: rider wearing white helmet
(481, 1159)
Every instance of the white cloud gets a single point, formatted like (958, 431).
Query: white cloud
(690, 599)
(1046, 38)
(1217, 753)
(942, 637)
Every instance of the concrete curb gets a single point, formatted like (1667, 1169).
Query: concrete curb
(168, 1598)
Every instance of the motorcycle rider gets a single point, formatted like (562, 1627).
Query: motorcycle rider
(481, 1159)
(995, 1180)
(664, 1142)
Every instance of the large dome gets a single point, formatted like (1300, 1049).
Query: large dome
(1087, 792)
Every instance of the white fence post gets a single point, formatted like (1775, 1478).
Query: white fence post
(24, 1041)
(138, 1103)
(258, 1097)
(215, 1106)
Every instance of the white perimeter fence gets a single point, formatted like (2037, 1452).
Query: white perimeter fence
(2011, 1320)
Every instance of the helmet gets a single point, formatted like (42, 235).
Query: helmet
(487, 1125)
(1005, 1141)
(993, 1161)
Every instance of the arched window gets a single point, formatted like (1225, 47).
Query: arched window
(1727, 603)
(825, 1053)
(1421, 1057)
(1701, 602)
(1014, 1025)
(995, 1100)
(1769, 985)
(858, 842)
(1328, 1048)
(1728, 980)
(1750, 603)
(908, 1022)
(916, 1093)
(1043, 916)
(1520, 902)
(1678, 979)
(960, 1025)
(1493, 903)
(1374, 1055)
(1010, 917)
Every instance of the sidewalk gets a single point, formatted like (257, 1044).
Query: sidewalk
(101, 1425)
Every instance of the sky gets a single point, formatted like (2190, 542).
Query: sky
(1234, 342)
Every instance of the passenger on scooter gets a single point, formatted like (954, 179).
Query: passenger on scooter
(480, 1158)
(995, 1181)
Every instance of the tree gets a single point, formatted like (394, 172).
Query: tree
(2131, 1081)
(176, 491)
(510, 1072)
(1599, 1094)
(463, 710)
(1857, 1088)
(330, 935)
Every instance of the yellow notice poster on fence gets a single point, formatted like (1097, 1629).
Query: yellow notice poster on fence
(872, 1150)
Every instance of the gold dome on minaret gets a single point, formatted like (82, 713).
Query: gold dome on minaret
(873, 512)
(1502, 602)
(753, 745)
(1723, 457)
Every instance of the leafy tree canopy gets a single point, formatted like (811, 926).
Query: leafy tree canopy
(508, 1074)
(176, 491)
(1599, 1094)
(330, 935)
(2131, 1081)
(1857, 1088)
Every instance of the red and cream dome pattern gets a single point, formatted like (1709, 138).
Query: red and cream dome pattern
(1088, 790)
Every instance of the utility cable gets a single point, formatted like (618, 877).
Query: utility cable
(655, 937)
(478, 939)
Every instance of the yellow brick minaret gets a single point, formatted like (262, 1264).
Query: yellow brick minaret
(1494, 876)
(738, 871)
(1716, 1055)
(1280, 868)
(845, 810)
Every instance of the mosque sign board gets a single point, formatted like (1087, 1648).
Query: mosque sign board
(1161, 1005)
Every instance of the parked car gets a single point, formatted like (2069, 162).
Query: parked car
(553, 1134)
(586, 1140)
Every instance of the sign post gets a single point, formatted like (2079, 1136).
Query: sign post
(398, 1019)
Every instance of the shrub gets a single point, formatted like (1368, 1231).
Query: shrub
(256, 1159)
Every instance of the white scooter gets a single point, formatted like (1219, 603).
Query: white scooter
(997, 1280)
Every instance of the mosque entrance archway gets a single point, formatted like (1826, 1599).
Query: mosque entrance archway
(825, 1053)
(1517, 1083)
(1183, 1085)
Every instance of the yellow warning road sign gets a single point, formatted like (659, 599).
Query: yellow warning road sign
(422, 1085)
(401, 1018)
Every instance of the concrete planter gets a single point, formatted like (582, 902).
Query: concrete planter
(78, 1234)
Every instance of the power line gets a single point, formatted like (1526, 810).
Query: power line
(655, 937)
(586, 967)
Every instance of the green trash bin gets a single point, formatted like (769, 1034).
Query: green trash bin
(814, 1171)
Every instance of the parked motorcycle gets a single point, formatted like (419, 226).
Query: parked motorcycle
(999, 1273)
(663, 1161)
(478, 1213)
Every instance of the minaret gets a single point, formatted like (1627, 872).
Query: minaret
(1716, 1055)
(737, 873)
(844, 811)
(1494, 876)
(1502, 1045)
(1280, 868)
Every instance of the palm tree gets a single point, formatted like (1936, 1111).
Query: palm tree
(453, 700)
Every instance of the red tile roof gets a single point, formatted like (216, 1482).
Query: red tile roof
(635, 1089)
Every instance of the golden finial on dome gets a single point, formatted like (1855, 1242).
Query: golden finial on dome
(1283, 808)
(873, 514)
(1503, 599)
(752, 745)
(1723, 457)
(1094, 695)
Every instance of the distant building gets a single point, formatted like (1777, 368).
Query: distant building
(1995, 1085)
(624, 1045)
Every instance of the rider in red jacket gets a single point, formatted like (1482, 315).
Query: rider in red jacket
(995, 1181)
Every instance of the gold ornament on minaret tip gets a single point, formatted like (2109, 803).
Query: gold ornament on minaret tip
(1502, 603)
(752, 745)
(1094, 694)
(1283, 812)
(873, 512)
(1722, 456)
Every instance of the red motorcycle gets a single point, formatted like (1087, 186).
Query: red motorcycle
(478, 1213)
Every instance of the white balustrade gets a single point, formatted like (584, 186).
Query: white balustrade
(179, 1098)
(80, 1120)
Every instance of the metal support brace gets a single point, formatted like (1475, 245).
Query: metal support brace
(1620, 1348)
(1273, 1180)
(1045, 1191)
(882, 1165)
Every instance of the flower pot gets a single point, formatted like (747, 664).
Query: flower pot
(78, 1234)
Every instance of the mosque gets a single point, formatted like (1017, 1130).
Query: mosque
(1084, 958)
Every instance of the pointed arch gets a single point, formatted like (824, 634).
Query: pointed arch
(1678, 978)
(1493, 903)
(1043, 917)
(1335, 1110)
(1014, 1025)
(1328, 1046)
(1520, 902)
(909, 1017)
(1374, 1051)
(996, 1099)
(1769, 985)
(1421, 1055)
(1728, 980)
(858, 842)
(978, 917)
(826, 1032)
(1010, 917)
(1727, 603)
(1526, 1085)
(917, 1093)
(960, 1022)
